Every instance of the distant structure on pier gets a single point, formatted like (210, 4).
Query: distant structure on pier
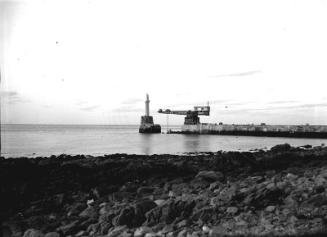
(147, 125)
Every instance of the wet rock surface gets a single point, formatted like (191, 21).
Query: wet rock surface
(280, 192)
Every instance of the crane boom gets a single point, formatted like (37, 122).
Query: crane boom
(192, 116)
(199, 110)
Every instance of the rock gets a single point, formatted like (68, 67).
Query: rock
(69, 228)
(210, 175)
(218, 231)
(323, 173)
(204, 214)
(167, 229)
(270, 208)
(170, 234)
(143, 206)
(126, 234)
(195, 234)
(9, 229)
(281, 148)
(182, 233)
(76, 208)
(317, 200)
(52, 234)
(215, 185)
(125, 217)
(150, 235)
(141, 231)
(94, 228)
(105, 208)
(169, 211)
(145, 190)
(89, 212)
(104, 227)
(320, 180)
(319, 189)
(159, 201)
(232, 210)
(291, 176)
(33, 233)
(271, 186)
(205, 229)
(90, 202)
(117, 231)
(182, 223)
(171, 194)
(81, 233)
(286, 211)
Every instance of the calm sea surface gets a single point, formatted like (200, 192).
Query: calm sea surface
(46, 140)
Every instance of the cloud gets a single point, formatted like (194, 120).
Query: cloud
(128, 109)
(48, 106)
(283, 102)
(309, 105)
(132, 101)
(239, 74)
(182, 94)
(219, 101)
(12, 97)
(81, 102)
(289, 107)
(90, 108)
(228, 102)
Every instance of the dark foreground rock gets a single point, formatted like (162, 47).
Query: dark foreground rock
(281, 192)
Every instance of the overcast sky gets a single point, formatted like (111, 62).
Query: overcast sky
(92, 62)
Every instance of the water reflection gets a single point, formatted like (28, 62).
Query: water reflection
(191, 142)
(146, 143)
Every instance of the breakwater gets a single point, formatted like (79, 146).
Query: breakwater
(305, 131)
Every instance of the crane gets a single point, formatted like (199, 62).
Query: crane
(191, 116)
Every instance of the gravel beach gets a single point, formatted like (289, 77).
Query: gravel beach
(279, 192)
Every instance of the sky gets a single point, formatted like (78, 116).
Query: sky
(92, 62)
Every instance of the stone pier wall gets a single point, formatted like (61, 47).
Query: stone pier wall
(319, 131)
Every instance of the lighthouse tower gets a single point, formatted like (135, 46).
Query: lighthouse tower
(147, 125)
(147, 106)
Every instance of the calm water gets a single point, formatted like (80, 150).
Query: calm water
(46, 140)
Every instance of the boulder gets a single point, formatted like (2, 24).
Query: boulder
(140, 208)
(76, 209)
(281, 148)
(159, 201)
(141, 231)
(317, 200)
(69, 228)
(232, 210)
(117, 231)
(205, 214)
(33, 233)
(182, 233)
(125, 217)
(52, 234)
(169, 211)
(218, 231)
(270, 208)
(145, 190)
(215, 185)
(89, 212)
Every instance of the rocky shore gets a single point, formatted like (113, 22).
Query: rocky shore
(280, 192)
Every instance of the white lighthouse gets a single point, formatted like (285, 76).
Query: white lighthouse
(147, 106)
(147, 125)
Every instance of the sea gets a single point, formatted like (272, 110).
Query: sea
(45, 140)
